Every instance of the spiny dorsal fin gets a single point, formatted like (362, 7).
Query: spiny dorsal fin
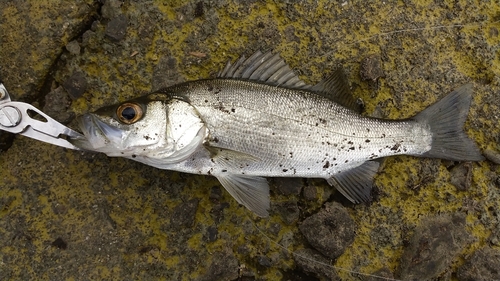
(336, 87)
(266, 67)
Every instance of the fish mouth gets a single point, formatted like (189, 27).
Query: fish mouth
(99, 136)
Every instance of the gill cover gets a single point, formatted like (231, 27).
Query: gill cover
(185, 133)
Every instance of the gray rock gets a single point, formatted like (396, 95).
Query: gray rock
(288, 186)
(371, 68)
(461, 176)
(73, 47)
(76, 85)
(311, 261)
(310, 193)
(433, 247)
(111, 9)
(116, 29)
(484, 264)
(289, 211)
(56, 105)
(330, 231)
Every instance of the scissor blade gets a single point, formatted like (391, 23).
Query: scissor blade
(30, 132)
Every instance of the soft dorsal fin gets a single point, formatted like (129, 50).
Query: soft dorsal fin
(266, 67)
(336, 87)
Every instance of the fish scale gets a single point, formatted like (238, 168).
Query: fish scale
(270, 131)
(258, 119)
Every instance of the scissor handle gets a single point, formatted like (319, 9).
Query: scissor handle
(15, 118)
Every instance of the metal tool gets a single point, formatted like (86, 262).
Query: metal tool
(15, 118)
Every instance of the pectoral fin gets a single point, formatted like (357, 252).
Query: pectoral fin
(356, 184)
(251, 192)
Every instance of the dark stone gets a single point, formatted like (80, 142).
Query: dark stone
(184, 214)
(310, 192)
(60, 244)
(6, 140)
(215, 194)
(198, 10)
(264, 261)
(289, 211)
(76, 85)
(73, 47)
(330, 231)
(288, 186)
(57, 104)
(433, 247)
(371, 68)
(224, 266)
(116, 29)
(461, 176)
(111, 9)
(311, 261)
(484, 264)
(492, 155)
(211, 234)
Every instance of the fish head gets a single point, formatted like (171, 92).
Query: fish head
(148, 129)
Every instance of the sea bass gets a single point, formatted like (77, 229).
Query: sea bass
(258, 119)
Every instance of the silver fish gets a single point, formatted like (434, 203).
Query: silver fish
(258, 119)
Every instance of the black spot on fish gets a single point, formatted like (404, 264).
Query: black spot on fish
(285, 170)
(224, 170)
(215, 139)
(352, 148)
(346, 161)
(396, 147)
(233, 110)
(353, 134)
(206, 101)
(328, 142)
(368, 129)
(323, 121)
(383, 135)
(317, 124)
(349, 142)
(367, 140)
(327, 165)
(334, 158)
(133, 155)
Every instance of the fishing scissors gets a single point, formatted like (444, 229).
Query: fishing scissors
(15, 118)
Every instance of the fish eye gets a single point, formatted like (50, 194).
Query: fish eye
(129, 113)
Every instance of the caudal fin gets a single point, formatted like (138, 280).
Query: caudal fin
(446, 119)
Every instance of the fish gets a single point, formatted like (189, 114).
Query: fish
(258, 119)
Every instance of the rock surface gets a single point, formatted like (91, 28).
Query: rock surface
(71, 214)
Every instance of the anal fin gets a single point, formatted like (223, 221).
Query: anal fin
(356, 184)
(251, 192)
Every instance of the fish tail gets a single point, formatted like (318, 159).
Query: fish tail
(446, 120)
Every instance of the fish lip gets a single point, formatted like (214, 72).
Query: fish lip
(95, 138)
